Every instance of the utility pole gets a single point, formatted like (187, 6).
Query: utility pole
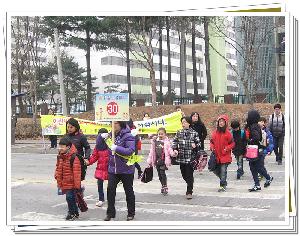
(60, 74)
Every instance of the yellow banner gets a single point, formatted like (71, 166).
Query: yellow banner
(170, 122)
(56, 125)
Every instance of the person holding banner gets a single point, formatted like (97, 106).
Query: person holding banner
(185, 143)
(52, 138)
(118, 170)
(77, 138)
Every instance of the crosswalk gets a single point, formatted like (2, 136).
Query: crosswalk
(236, 204)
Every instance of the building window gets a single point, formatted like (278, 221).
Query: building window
(232, 89)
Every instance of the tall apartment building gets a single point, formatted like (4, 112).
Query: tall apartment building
(113, 67)
(269, 38)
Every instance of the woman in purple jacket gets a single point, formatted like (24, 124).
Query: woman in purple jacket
(118, 170)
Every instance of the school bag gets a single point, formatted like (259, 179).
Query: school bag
(82, 164)
(147, 175)
(243, 134)
(212, 163)
(199, 161)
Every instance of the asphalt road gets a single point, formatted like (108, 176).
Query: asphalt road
(34, 193)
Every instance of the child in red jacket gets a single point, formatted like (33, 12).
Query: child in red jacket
(221, 144)
(68, 176)
(101, 155)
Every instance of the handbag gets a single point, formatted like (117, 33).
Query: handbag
(80, 202)
(212, 163)
(252, 152)
(147, 175)
(199, 160)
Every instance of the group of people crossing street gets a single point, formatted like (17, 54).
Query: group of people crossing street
(250, 142)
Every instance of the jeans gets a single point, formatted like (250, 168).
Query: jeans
(100, 189)
(127, 180)
(240, 164)
(278, 147)
(162, 176)
(257, 167)
(221, 172)
(71, 200)
(53, 140)
(187, 173)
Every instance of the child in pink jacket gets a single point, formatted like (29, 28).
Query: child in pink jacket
(160, 157)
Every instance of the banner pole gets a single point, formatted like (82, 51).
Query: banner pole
(44, 144)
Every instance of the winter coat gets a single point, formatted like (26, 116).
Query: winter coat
(168, 152)
(66, 177)
(126, 147)
(255, 134)
(277, 127)
(222, 144)
(102, 157)
(270, 142)
(182, 142)
(80, 142)
(200, 128)
(240, 141)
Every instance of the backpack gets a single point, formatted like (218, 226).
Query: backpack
(243, 134)
(82, 164)
(283, 125)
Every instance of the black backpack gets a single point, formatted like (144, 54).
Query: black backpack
(82, 163)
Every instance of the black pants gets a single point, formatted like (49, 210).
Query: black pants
(257, 167)
(187, 173)
(162, 175)
(127, 180)
(53, 140)
(278, 148)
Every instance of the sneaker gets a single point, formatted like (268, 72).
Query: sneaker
(77, 215)
(99, 204)
(222, 189)
(280, 163)
(238, 176)
(71, 217)
(189, 196)
(268, 182)
(108, 218)
(129, 218)
(254, 189)
(165, 191)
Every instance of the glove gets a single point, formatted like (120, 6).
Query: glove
(113, 147)
(104, 135)
(134, 132)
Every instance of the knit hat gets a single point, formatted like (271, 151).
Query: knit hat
(74, 123)
(253, 117)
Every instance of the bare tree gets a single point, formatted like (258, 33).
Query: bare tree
(253, 32)
(143, 32)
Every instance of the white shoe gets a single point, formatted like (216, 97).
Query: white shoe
(99, 204)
